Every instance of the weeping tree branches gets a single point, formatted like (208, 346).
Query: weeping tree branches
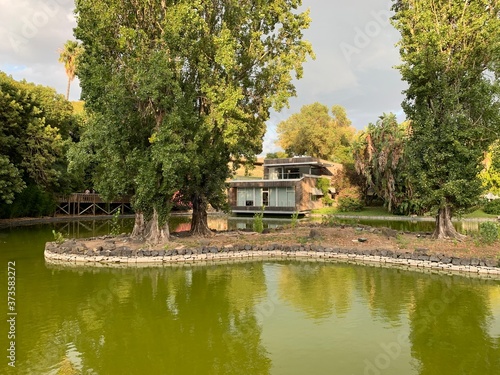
(379, 157)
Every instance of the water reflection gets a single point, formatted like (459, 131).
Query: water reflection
(177, 223)
(317, 288)
(449, 328)
(179, 321)
(286, 317)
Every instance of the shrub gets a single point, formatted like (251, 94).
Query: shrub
(492, 207)
(488, 232)
(58, 237)
(347, 204)
(295, 219)
(323, 184)
(31, 202)
(115, 223)
(258, 221)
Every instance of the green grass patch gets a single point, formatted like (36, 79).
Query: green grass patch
(366, 211)
(478, 214)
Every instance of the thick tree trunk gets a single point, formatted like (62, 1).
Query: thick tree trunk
(199, 219)
(154, 233)
(139, 226)
(444, 226)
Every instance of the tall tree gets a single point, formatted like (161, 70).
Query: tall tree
(379, 157)
(68, 55)
(30, 141)
(191, 83)
(450, 59)
(314, 132)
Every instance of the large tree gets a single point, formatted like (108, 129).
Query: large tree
(315, 132)
(198, 79)
(68, 55)
(450, 60)
(31, 144)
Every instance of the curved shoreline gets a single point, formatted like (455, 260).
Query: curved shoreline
(77, 254)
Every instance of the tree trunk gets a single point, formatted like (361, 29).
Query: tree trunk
(67, 88)
(139, 226)
(199, 219)
(155, 234)
(444, 226)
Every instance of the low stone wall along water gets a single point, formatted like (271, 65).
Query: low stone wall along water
(77, 252)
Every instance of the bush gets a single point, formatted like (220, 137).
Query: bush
(347, 204)
(492, 207)
(31, 202)
(488, 232)
(258, 222)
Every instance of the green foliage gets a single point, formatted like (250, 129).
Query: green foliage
(347, 204)
(68, 55)
(58, 237)
(295, 219)
(258, 221)
(492, 207)
(315, 133)
(36, 126)
(115, 223)
(490, 174)
(446, 49)
(180, 91)
(489, 232)
(379, 156)
(277, 155)
(323, 184)
(31, 202)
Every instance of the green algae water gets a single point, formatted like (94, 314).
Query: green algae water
(262, 317)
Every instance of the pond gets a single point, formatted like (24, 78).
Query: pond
(404, 225)
(263, 317)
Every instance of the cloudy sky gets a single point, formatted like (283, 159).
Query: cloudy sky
(353, 41)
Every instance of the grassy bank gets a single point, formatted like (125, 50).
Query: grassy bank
(381, 211)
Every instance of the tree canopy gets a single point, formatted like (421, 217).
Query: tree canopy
(450, 60)
(178, 89)
(490, 175)
(36, 127)
(315, 132)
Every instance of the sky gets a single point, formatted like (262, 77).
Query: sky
(353, 40)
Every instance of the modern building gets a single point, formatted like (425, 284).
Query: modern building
(289, 185)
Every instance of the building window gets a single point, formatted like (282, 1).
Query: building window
(265, 197)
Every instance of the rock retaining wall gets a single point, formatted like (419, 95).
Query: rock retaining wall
(72, 251)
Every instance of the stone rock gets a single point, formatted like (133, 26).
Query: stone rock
(434, 258)
(455, 261)
(389, 232)
(465, 261)
(315, 233)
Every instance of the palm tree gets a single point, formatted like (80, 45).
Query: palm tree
(379, 158)
(68, 56)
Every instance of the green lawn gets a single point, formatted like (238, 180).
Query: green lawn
(479, 214)
(380, 211)
(367, 211)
